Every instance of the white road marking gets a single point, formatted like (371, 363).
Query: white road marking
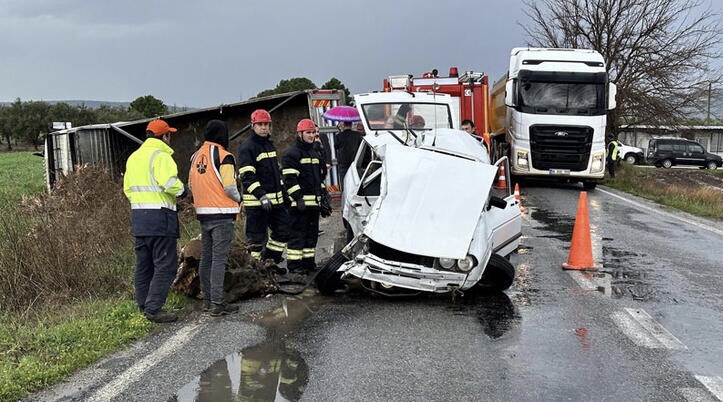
(662, 212)
(695, 395)
(589, 280)
(120, 383)
(642, 329)
(714, 385)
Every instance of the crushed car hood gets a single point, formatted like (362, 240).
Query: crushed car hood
(432, 202)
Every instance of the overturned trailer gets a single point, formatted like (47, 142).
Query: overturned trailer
(110, 145)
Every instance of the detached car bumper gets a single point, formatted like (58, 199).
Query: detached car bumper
(405, 275)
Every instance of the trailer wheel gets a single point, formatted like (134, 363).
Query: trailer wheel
(328, 279)
(498, 275)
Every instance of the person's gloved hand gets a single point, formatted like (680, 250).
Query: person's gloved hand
(266, 203)
(300, 205)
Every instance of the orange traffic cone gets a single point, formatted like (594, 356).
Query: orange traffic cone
(581, 248)
(517, 196)
(502, 180)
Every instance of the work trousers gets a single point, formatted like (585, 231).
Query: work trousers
(303, 236)
(611, 167)
(267, 232)
(216, 237)
(156, 266)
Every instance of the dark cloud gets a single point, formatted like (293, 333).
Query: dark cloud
(192, 53)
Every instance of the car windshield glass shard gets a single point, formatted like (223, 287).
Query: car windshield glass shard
(399, 116)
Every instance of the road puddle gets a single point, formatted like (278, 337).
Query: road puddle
(550, 221)
(627, 277)
(270, 371)
(495, 312)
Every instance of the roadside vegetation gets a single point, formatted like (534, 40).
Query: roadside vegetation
(681, 189)
(66, 293)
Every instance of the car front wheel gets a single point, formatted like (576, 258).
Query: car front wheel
(712, 165)
(631, 159)
(498, 275)
(328, 279)
(667, 163)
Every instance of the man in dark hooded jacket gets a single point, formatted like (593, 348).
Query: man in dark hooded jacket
(347, 143)
(212, 179)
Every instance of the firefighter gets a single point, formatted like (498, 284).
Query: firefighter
(151, 184)
(212, 179)
(302, 176)
(267, 218)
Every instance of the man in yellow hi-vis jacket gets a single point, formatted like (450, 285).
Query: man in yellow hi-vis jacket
(151, 184)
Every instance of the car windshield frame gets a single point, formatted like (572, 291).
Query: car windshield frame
(407, 115)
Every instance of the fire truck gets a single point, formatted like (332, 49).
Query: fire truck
(471, 89)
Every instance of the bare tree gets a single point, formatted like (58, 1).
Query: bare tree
(658, 52)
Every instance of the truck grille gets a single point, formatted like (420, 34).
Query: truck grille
(551, 149)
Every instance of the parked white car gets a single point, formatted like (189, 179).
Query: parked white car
(630, 154)
(419, 205)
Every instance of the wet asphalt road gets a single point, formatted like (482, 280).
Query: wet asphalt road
(647, 326)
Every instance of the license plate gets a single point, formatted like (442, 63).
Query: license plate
(560, 171)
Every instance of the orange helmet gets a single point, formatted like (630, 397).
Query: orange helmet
(260, 116)
(305, 125)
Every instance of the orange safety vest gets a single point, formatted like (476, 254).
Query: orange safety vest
(209, 197)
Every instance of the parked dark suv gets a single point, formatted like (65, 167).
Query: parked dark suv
(667, 152)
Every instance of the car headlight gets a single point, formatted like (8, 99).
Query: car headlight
(467, 263)
(446, 263)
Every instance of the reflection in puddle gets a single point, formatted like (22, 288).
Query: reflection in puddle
(266, 372)
(270, 371)
(494, 311)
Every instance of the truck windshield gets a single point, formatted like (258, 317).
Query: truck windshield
(397, 116)
(561, 98)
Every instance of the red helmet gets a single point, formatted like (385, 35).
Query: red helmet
(305, 125)
(260, 116)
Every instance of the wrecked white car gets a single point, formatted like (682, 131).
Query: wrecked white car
(421, 204)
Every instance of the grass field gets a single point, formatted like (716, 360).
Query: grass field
(20, 173)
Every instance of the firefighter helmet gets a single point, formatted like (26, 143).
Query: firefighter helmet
(260, 116)
(305, 125)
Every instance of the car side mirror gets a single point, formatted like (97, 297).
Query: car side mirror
(496, 202)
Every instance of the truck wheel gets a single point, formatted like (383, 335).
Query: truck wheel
(589, 185)
(498, 275)
(328, 279)
(712, 165)
(631, 159)
(666, 163)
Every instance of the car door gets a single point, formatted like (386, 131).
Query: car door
(358, 200)
(696, 154)
(506, 223)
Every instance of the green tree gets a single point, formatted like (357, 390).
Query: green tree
(657, 51)
(334, 83)
(290, 85)
(6, 131)
(148, 106)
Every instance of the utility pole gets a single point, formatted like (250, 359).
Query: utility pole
(710, 88)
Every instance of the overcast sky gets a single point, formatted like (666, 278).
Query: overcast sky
(205, 53)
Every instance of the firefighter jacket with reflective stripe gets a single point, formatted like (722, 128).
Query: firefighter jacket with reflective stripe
(151, 184)
(212, 179)
(259, 171)
(302, 174)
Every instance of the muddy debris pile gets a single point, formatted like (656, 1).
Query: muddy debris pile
(245, 277)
